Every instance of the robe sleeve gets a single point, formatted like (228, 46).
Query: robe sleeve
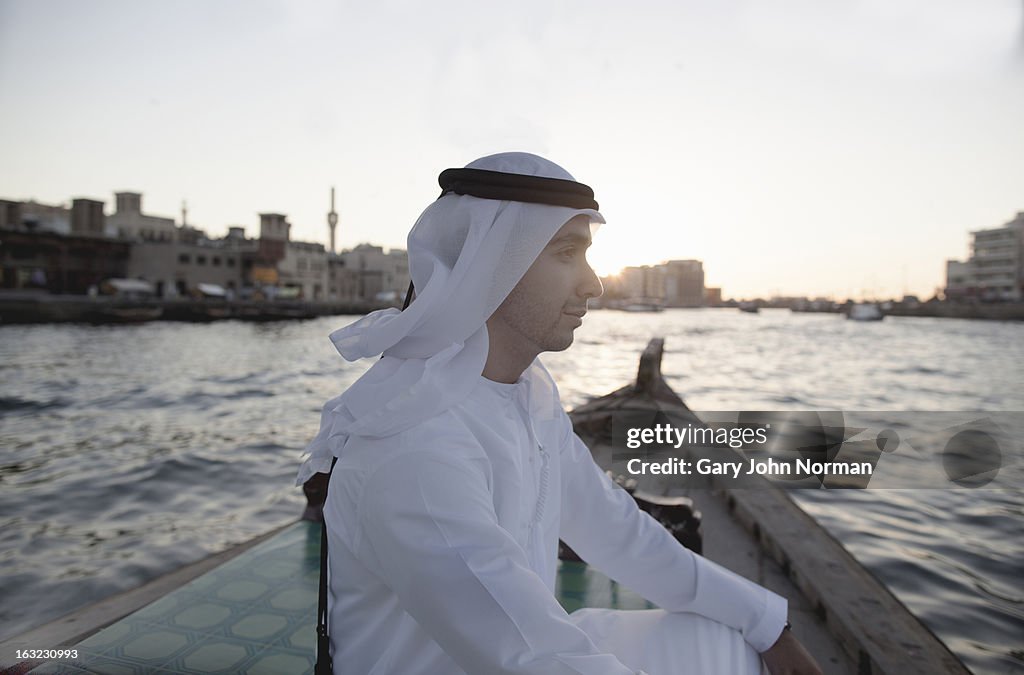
(430, 532)
(603, 524)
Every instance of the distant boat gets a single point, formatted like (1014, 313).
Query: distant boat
(636, 305)
(642, 307)
(124, 301)
(131, 311)
(749, 307)
(865, 311)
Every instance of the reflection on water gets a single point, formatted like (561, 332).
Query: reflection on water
(130, 451)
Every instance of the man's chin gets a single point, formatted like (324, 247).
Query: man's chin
(560, 343)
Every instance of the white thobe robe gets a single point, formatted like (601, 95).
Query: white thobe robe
(443, 546)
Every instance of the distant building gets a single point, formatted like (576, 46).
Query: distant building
(684, 283)
(10, 215)
(275, 231)
(995, 270)
(343, 283)
(381, 275)
(959, 284)
(59, 263)
(176, 268)
(641, 283)
(39, 217)
(129, 222)
(713, 296)
(304, 267)
(996, 258)
(87, 217)
(68, 250)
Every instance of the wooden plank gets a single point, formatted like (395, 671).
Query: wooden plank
(873, 626)
(729, 544)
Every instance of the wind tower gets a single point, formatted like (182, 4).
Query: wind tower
(184, 213)
(332, 221)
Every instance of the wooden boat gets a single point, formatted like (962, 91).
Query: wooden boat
(842, 614)
(253, 608)
(125, 311)
(125, 301)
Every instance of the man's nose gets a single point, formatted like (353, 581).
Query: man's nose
(590, 286)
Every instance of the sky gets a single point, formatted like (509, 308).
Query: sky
(796, 147)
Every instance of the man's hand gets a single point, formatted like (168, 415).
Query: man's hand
(788, 657)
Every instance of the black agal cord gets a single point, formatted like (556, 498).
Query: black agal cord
(516, 187)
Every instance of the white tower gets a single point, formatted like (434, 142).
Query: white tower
(332, 221)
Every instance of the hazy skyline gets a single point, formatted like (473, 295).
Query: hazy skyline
(795, 147)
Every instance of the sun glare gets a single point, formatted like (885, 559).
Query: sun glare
(612, 252)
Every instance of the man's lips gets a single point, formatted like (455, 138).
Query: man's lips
(579, 313)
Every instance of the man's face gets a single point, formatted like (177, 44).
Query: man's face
(548, 303)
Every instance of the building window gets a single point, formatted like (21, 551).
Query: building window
(216, 261)
(200, 259)
(230, 262)
(184, 258)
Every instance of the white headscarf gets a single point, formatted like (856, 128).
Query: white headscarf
(465, 255)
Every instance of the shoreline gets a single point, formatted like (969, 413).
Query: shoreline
(20, 307)
(45, 308)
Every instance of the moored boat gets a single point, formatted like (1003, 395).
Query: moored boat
(131, 311)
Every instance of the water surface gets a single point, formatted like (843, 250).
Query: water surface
(128, 452)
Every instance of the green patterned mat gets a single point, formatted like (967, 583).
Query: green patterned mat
(257, 614)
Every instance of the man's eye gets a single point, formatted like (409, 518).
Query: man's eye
(568, 253)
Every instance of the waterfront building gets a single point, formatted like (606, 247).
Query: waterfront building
(10, 215)
(59, 263)
(958, 280)
(129, 222)
(380, 275)
(639, 283)
(46, 217)
(87, 217)
(176, 268)
(304, 267)
(995, 269)
(342, 282)
(176, 260)
(56, 249)
(280, 262)
(996, 260)
(46, 247)
(684, 283)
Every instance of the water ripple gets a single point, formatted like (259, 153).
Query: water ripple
(118, 467)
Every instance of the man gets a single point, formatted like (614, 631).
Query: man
(458, 471)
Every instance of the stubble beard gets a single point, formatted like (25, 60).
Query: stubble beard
(538, 333)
